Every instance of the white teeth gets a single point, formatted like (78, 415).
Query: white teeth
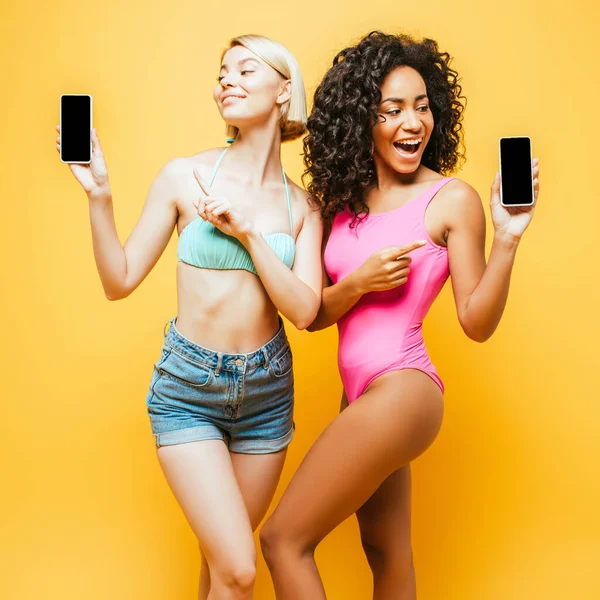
(410, 142)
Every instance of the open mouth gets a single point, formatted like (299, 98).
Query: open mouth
(408, 147)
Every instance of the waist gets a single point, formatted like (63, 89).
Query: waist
(368, 334)
(232, 361)
(228, 311)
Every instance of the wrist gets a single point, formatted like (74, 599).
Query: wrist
(355, 281)
(507, 241)
(248, 236)
(102, 192)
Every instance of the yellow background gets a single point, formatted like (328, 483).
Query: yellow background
(506, 501)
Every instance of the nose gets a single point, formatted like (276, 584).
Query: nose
(411, 121)
(227, 80)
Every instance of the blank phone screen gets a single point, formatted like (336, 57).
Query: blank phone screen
(75, 127)
(515, 165)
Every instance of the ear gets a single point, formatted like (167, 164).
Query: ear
(285, 92)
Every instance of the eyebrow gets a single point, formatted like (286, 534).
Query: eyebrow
(241, 62)
(401, 100)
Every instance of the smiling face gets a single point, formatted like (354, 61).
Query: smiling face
(248, 90)
(405, 121)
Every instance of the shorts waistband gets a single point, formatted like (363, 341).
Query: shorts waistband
(239, 362)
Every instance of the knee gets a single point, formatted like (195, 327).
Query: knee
(271, 538)
(236, 576)
(277, 543)
(396, 559)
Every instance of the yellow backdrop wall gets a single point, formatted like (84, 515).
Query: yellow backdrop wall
(505, 502)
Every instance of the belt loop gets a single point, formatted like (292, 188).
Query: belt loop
(219, 363)
(266, 357)
(167, 327)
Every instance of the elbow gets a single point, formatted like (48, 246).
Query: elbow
(478, 335)
(112, 295)
(475, 333)
(305, 323)
(307, 320)
(315, 325)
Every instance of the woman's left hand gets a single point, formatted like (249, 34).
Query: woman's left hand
(219, 211)
(512, 221)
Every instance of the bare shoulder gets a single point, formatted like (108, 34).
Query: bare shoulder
(181, 168)
(204, 161)
(179, 171)
(304, 207)
(460, 202)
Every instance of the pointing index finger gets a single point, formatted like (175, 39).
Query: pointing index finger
(403, 250)
(202, 183)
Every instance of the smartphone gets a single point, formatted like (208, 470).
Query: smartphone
(76, 128)
(516, 173)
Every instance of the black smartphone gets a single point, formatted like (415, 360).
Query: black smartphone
(516, 173)
(76, 128)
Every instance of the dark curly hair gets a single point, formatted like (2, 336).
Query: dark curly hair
(338, 150)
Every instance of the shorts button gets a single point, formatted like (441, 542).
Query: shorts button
(239, 362)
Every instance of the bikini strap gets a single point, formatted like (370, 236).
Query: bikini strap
(285, 181)
(216, 167)
(289, 202)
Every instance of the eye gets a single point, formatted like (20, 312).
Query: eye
(423, 108)
(246, 71)
(219, 78)
(395, 111)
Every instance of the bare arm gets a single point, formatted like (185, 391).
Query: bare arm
(480, 290)
(123, 268)
(336, 300)
(385, 269)
(296, 293)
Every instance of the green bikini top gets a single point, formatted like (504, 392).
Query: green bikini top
(203, 245)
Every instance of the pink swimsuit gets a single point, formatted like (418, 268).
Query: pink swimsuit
(383, 331)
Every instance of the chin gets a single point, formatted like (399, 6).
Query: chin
(406, 168)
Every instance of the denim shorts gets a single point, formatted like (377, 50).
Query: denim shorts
(246, 400)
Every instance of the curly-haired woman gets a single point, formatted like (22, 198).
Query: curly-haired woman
(383, 135)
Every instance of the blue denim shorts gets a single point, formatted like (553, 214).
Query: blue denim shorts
(246, 400)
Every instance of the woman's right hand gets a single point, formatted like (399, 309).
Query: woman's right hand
(93, 177)
(385, 269)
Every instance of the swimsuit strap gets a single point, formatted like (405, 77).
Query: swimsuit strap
(285, 181)
(289, 202)
(216, 167)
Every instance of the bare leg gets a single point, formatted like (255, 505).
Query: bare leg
(385, 532)
(392, 423)
(257, 476)
(384, 522)
(203, 481)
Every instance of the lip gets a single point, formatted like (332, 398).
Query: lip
(231, 97)
(406, 156)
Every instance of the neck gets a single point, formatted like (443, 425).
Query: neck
(257, 150)
(388, 178)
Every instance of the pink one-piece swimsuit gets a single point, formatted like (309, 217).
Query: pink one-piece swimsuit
(382, 332)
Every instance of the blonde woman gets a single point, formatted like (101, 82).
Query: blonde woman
(221, 396)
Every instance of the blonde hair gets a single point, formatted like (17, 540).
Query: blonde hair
(293, 111)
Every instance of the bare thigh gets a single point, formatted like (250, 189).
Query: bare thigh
(203, 480)
(384, 521)
(393, 422)
(257, 476)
